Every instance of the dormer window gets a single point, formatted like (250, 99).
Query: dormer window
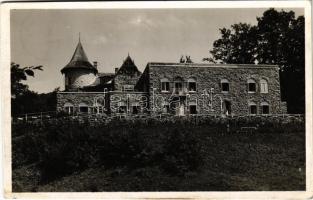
(225, 85)
(251, 86)
(128, 87)
(192, 85)
(165, 85)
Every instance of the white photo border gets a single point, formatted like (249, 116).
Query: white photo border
(6, 99)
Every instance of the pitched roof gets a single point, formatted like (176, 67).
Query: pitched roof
(128, 67)
(79, 60)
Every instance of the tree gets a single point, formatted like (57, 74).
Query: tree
(20, 74)
(278, 38)
(237, 45)
(22, 99)
(281, 37)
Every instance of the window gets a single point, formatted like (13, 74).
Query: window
(226, 107)
(263, 86)
(252, 108)
(265, 108)
(122, 107)
(192, 86)
(135, 108)
(69, 108)
(251, 86)
(165, 85)
(83, 108)
(225, 85)
(193, 108)
(178, 86)
(166, 107)
(128, 87)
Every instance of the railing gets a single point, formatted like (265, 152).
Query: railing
(52, 115)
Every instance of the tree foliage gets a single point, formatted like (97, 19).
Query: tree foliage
(24, 100)
(278, 38)
(18, 75)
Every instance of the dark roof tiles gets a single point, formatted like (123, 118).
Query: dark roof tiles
(79, 60)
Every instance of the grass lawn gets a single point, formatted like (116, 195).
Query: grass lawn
(230, 161)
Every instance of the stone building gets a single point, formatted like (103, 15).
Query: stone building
(189, 88)
(170, 88)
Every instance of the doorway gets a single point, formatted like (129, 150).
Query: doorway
(226, 107)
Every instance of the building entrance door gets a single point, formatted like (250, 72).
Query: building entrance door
(226, 107)
(181, 110)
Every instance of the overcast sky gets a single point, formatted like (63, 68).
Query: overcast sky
(49, 37)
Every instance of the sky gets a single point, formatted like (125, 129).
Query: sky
(49, 37)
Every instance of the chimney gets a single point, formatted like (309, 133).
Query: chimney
(116, 69)
(95, 64)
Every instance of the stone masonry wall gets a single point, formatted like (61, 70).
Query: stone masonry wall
(128, 99)
(110, 101)
(208, 77)
(125, 79)
(76, 98)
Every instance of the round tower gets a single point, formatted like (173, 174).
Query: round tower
(79, 72)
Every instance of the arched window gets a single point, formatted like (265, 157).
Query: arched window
(99, 105)
(265, 108)
(192, 85)
(193, 107)
(178, 84)
(165, 85)
(225, 85)
(252, 108)
(251, 86)
(166, 107)
(83, 108)
(122, 107)
(135, 107)
(69, 108)
(263, 86)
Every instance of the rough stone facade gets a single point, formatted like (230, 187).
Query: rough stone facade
(172, 88)
(109, 102)
(209, 97)
(121, 81)
(78, 99)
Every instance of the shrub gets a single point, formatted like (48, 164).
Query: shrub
(176, 146)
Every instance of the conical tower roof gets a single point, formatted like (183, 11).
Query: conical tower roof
(128, 66)
(79, 60)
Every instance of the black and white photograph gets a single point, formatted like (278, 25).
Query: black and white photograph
(151, 99)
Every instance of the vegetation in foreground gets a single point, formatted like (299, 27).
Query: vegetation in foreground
(156, 155)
